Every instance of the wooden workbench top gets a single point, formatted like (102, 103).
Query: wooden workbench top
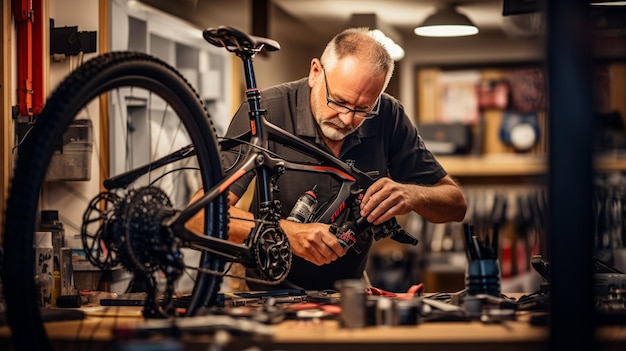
(97, 329)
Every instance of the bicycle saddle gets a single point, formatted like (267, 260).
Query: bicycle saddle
(231, 39)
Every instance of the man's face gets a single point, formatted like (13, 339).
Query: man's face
(343, 97)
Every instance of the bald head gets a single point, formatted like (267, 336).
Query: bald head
(359, 44)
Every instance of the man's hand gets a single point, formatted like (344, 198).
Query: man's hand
(313, 242)
(438, 203)
(386, 199)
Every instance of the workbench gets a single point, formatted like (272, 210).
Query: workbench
(95, 332)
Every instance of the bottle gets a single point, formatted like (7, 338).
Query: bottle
(348, 233)
(56, 288)
(303, 210)
(50, 223)
(67, 272)
(44, 281)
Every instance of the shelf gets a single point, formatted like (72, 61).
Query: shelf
(494, 165)
(516, 165)
(611, 163)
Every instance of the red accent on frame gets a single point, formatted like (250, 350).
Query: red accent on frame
(328, 169)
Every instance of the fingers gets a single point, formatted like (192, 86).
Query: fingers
(376, 201)
(319, 255)
(325, 256)
(327, 250)
(378, 211)
(383, 200)
(316, 244)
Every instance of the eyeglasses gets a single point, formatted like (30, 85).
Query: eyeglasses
(335, 106)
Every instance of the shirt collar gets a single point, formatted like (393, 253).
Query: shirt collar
(305, 124)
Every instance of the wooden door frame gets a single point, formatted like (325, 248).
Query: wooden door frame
(6, 127)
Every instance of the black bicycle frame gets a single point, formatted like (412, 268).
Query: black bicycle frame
(267, 166)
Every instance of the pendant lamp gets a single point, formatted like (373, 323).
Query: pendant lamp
(446, 22)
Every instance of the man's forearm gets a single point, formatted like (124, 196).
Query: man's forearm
(443, 202)
(240, 224)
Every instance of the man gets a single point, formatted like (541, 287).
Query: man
(342, 108)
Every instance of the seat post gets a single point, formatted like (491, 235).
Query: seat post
(253, 95)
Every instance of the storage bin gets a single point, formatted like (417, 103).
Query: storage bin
(72, 161)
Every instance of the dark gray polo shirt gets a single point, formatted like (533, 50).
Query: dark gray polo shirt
(386, 145)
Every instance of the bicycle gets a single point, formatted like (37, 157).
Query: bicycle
(137, 217)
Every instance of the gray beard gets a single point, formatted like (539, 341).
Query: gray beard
(332, 133)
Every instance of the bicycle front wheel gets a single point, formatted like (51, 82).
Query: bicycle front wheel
(117, 112)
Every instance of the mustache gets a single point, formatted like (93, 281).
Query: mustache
(337, 123)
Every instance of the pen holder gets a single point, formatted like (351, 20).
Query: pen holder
(483, 277)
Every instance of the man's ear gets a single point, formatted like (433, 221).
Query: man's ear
(314, 71)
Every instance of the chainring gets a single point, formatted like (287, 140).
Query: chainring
(272, 253)
(99, 244)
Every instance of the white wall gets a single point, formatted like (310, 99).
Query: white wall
(81, 13)
(66, 196)
(291, 62)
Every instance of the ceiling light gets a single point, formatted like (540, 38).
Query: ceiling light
(446, 22)
(380, 31)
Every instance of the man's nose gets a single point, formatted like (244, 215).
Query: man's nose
(346, 117)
